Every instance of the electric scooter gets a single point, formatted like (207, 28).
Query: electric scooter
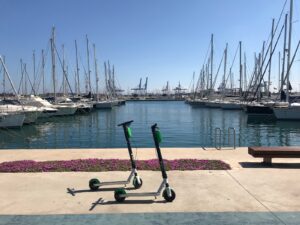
(168, 193)
(137, 182)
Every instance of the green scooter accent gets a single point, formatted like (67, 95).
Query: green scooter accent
(137, 182)
(167, 192)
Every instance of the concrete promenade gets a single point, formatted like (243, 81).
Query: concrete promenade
(248, 193)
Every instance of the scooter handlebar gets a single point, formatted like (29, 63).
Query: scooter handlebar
(153, 127)
(125, 123)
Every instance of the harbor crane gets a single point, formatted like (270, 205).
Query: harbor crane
(141, 89)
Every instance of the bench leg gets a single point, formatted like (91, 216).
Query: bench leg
(267, 161)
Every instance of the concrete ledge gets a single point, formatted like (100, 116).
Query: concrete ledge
(232, 218)
(230, 156)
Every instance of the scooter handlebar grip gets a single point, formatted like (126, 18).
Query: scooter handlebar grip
(154, 126)
(125, 123)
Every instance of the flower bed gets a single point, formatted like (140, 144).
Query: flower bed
(99, 165)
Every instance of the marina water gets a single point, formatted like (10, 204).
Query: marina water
(181, 126)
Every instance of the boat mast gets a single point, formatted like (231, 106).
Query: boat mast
(63, 67)
(43, 70)
(245, 72)
(289, 52)
(3, 77)
(279, 61)
(105, 75)
(53, 61)
(231, 79)
(258, 76)
(225, 68)
(193, 87)
(211, 60)
(75, 82)
(66, 72)
(96, 71)
(34, 74)
(8, 77)
(260, 79)
(21, 86)
(271, 47)
(26, 77)
(241, 70)
(284, 53)
(114, 84)
(207, 78)
(109, 78)
(88, 62)
(202, 82)
(77, 70)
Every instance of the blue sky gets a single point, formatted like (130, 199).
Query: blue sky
(165, 40)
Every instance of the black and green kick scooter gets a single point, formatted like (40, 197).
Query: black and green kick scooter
(168, 193)
(137, 181)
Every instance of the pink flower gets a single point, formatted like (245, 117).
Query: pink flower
(97, 165)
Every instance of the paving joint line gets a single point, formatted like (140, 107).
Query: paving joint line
(253, 196)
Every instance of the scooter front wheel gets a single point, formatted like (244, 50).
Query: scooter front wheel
(137, 183)
(94, 184)
(167, 197)
(118, 195)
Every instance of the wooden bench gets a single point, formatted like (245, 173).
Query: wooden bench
(267, 153)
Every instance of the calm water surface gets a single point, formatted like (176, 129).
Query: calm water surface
(181, 126)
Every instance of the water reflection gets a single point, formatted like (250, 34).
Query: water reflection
(181, 126)
(260, 119)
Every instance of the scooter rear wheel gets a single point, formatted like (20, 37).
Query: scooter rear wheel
(137, 184)
(118, 193)
(94, 184)
(167, 197)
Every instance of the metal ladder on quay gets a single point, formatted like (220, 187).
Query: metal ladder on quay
(219, 144)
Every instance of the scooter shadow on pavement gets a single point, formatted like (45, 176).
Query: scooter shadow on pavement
(72, 191)
(102, 201)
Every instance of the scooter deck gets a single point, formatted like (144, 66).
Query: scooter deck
(112, 183)
(146, 194)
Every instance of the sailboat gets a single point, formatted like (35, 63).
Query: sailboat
(46, 108)
(108, 103)
(64, 107)
(289, 111)
(10, 118)
(31, 112)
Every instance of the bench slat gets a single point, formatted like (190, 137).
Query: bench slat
(275, 152)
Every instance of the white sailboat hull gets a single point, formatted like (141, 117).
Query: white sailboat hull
(103, 105)
(31, 116)
(287, 113)
(84, 107)
(231, 106)
(197, 103)
(47, 112)
(31, 112)
(8, 120)
(64, 110)
(213, 104)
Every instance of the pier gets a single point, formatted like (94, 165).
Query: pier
(249, 191)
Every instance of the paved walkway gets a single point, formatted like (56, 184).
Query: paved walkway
(249, 192)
